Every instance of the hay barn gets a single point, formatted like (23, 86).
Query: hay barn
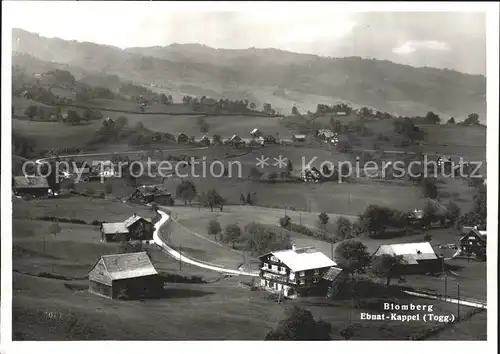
(127, 276)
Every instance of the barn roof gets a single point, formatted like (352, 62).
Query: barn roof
(303, 259)
(30, 182)
(411, 252)
(153, 190)
(128, 265)
(114, 227)
(132, 220)
(299, 136)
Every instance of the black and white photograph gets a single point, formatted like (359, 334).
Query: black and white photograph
(248, 171)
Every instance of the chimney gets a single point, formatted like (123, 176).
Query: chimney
(294, 248)
(135, 214)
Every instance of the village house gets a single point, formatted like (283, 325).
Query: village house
(103, 168)
(473, 243)
(182, 138)
(128, 275)
(418, 258)
(325, 134)
(204, 141)
(340, 114)
(296, 272)
(298, 138)
(235, 140)
(149, 194)
(134, 228)
(269, 139)
(255, 133)
(310, 174)
(33, 186)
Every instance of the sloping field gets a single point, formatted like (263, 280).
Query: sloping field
(76, 207)
(48, 135)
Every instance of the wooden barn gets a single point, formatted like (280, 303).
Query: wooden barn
(149, 194)
(127, 276)
(418, 258)
(33, 186)
(134, 228)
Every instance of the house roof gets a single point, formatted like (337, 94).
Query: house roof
(332, 273)
(128, 265)
(299, 136)
(303, 259)
(132, 220)
(255, 130)
(479, 233)
(153, 190)
(234, 137)
(114, 227)
(411, 252)
(30, 182)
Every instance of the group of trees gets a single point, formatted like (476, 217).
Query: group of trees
(325, 109)
(223, 104)
(353, 256)
(254, 238)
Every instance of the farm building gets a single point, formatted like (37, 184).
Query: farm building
(182, 138)
(149, 194)
(204, 140)
(325, 134)
(269, 139)
(340, 114)
(255, 133)
(129, 275)
(34, 186)
(235, 140)
(134, 228)
(103, 168)
(417, 257)
(310, 174)
(297, 272)
(299, 138)
(473, 243)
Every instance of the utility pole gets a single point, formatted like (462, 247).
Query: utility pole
(300, 218)
(458, 302)
(180, 257)
(331, 250)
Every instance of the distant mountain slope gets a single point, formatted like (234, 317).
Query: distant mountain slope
(281, 78)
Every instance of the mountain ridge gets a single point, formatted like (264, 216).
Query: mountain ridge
(260, 72)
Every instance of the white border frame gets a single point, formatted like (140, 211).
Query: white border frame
(492, 13)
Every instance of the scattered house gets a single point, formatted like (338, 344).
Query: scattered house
(325, 134)
(444, 161)
(269, 139)
(134, 228)
(296, 272)
(340, 114)
(416, 217)
(109, 121)
(473, 242)
(204, 140)
(130, 275)
(235, 140)
(299, 138)
(310, 174)
(261, 140)
(255, 133)
(102, 168)
(182, 138)
(26, 95)
(417, 257)
(34, 186)
(149, 194)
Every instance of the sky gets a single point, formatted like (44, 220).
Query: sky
(453, 40)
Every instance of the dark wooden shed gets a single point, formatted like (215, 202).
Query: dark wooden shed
(128, 275)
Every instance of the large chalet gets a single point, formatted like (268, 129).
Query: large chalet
(473, 243)
(297, 272)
